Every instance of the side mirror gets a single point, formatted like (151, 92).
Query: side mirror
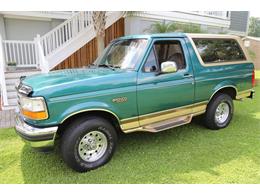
(169, 67)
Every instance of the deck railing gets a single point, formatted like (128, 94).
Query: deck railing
(217, 14)
(20, 53)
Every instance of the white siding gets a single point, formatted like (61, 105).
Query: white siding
(239, 21)
(23, 29)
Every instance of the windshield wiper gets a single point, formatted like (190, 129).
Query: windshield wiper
(108, 66)
(105, 65)
(91, 65)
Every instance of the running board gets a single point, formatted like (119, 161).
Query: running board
(163, 125)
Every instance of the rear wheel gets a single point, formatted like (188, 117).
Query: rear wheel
(219, 112)
(88, 143)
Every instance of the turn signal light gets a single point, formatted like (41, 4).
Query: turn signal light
(34, 115)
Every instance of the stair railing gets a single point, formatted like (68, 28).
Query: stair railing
(3, 90)
(65, 32)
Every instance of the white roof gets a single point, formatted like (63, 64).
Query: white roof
(223, 36)
(252, 38)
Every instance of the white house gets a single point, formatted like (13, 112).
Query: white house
(32, 42)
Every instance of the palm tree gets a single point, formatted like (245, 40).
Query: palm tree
(99, 22)
(163, 27)
(254, 27)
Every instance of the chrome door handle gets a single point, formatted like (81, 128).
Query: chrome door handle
(187, 75)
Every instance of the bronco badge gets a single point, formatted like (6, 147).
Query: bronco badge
(119, 100)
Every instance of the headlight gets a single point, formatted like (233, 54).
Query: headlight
(33, 108)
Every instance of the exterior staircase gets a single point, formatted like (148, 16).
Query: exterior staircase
(12, 79)
(44, 52)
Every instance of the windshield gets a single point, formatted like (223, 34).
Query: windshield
(124, 54)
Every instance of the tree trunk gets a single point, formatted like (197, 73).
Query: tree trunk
(99, 22)
(100, 44)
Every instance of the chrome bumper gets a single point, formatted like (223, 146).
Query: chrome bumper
(36, 137)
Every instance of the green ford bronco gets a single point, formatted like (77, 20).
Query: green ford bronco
(140, 83)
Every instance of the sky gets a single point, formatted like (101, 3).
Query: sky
(255, 13)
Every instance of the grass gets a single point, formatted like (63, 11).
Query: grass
(187, 154)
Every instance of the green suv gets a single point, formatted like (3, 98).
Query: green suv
(140, 83)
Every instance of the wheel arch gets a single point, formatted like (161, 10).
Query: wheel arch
(103, 113)
(227, 89)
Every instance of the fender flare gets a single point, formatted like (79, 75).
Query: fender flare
(221, 86)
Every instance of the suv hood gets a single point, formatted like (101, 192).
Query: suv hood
(72, 81)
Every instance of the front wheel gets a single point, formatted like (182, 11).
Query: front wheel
(88, 143)
(219, 112)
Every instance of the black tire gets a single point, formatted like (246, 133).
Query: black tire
(73, 135)
(209, 118)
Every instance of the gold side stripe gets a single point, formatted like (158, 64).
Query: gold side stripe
(163, 115)
(133, 123)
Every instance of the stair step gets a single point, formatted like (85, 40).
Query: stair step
(12, 82)
(12, 95)
(10, 88)
(18, 74)
(12, 102)
(10, 107)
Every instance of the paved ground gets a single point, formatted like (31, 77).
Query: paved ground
(7, 118)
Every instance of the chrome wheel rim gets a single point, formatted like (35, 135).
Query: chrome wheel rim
(92, 146)
(222, 112)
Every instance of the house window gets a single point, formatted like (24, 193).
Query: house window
(219, 50)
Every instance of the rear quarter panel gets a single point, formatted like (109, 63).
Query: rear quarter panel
(209, 79)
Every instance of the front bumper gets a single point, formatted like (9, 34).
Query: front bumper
(36, 137)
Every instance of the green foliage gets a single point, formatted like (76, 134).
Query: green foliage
(166, 27)
(254, 27)
(251, 53)
(131, 13)
(186, 154)
(11, 63)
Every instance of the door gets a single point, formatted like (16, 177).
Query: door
(161, 96)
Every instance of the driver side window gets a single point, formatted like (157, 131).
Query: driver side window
(151, 63)
(163, 51)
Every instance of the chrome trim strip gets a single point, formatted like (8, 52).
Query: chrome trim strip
(226, 86)
(92, 109)
(23, 89)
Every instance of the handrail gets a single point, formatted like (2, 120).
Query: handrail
(65, 32)
(2, 75)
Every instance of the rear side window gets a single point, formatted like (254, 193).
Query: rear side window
(219, 50)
